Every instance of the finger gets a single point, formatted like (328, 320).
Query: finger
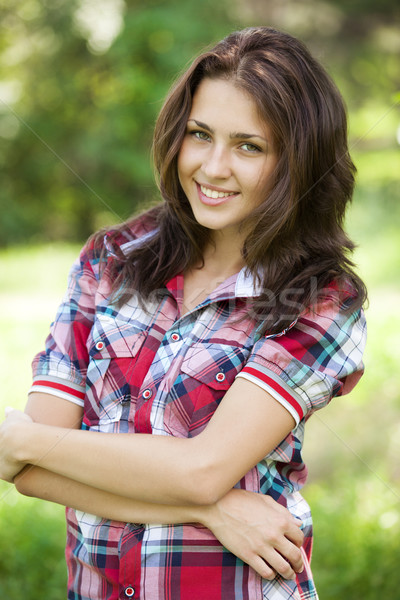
(279, 564)
(261, 567)
(292, 554)
(286, 518)
(16, 415)
(298, 522)
(295, 534)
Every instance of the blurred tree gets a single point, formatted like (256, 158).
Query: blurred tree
(359, 42)
(82, 83)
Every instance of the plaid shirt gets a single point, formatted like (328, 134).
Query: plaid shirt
(158, 371)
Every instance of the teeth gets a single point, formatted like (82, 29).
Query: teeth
(213, 193)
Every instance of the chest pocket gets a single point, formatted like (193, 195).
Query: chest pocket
(112, 377)
(207, 372)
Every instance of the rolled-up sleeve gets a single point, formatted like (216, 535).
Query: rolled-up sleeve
(318, 358)
(61, 368)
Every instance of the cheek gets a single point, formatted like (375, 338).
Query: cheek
(255, 192)
(190, 158)
(261, 181)
(185, 158)
(253, 182)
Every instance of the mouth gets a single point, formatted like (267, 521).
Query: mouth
(213, 196)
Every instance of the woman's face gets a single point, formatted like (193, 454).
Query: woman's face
(227, 157)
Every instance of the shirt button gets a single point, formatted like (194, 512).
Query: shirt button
(100, 345)
(147, 394)
(220, 377)
(175, 337)
(129, 591)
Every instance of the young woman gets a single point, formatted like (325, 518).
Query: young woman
(213, 325)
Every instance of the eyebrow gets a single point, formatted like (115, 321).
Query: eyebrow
(234, 135)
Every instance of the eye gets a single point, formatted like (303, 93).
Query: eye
(251, 148)
(200, 135)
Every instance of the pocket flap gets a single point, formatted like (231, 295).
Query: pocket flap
(215, 365)
(114, 338)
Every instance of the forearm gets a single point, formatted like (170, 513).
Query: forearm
(40, 483)
(156, 468)
(88, 470)
(250, 525)
(138, 464)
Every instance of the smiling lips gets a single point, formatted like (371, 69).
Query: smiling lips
(213, 197)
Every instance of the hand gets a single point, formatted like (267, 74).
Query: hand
(259, 531)
(9, 435)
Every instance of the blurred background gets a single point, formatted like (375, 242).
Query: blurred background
(81, 82)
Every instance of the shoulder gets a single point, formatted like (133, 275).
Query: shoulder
(335, 320)
(332, 329)
(319, 356)
(334, 317)
(140, 226)
(110, 246)
(116, 242)
(133, 230)
(336, 296)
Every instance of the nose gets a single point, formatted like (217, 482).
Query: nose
(216, 165)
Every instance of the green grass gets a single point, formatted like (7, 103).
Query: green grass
(32, 532)
(31, 548)
(357, 528)
(32, 283)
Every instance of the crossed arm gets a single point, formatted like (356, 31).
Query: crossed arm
(146, 478)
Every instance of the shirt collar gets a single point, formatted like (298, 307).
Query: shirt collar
(136, 243)
(245, 286)
(239, 285)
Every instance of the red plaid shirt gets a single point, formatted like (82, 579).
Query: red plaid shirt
(158, 371)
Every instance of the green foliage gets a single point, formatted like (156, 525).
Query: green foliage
(375, 214)
(79, 153)
(77, 110)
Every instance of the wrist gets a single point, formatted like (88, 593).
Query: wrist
(206, 515)
(24, 438)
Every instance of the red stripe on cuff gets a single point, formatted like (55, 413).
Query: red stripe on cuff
(60, 387)
(275, 386)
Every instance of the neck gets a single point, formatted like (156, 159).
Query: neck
(222, 258)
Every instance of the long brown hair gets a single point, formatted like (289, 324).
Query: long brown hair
(297, 245)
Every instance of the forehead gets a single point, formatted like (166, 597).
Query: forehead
(221, 104)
